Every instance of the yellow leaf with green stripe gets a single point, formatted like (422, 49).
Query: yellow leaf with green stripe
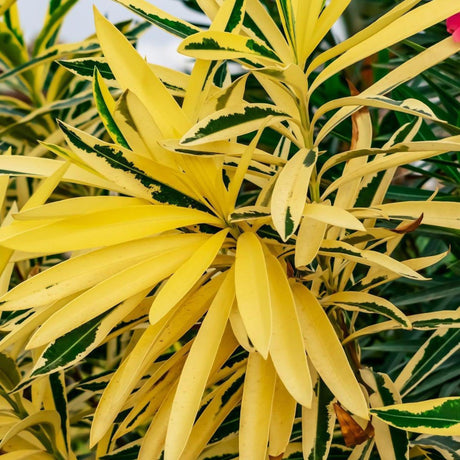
(435, 416)
(368, 303)
(215, 45)
(367, 257)
(290, 192)
(232, 122)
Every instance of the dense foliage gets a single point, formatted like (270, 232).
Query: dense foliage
(256, 259)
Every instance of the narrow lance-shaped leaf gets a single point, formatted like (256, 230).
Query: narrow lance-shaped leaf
(318, 423)
(326, 352)
(73, 346)
(290, 192)
(367, 257)
(439, 347)
(405, 72)
(256, 407)
(287, 349)
(113, 290)
(253, 292)
(106, 105)
(422, 321)
(123, 167)
(364, 302)
(392, 444)
(436, 416)
(197, 368)
(160, 18)
(232, 122)
(99, 229)
(131, 72)
(414, 21)
(281, 420)
(186, 276)
(214, 45)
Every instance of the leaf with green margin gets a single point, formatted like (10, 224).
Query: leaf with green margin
(440, 346)
(436, 416)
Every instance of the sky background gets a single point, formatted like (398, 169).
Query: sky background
(158, 46)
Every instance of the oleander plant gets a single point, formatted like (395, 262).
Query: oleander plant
(257, 259)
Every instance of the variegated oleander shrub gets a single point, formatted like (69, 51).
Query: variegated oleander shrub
(36, 88)
(229, 280)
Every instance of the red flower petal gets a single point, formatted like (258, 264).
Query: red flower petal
(453, 23)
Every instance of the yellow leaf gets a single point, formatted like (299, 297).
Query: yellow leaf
(110, 292)
(253, 292)
(102, 228)
(287, 349)
(281, 420)
(332, 215)
(290, 192)
(186, 276)
(197, 368)
(326, 352)
(256, 407)
(133, 73)
(309, 239)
